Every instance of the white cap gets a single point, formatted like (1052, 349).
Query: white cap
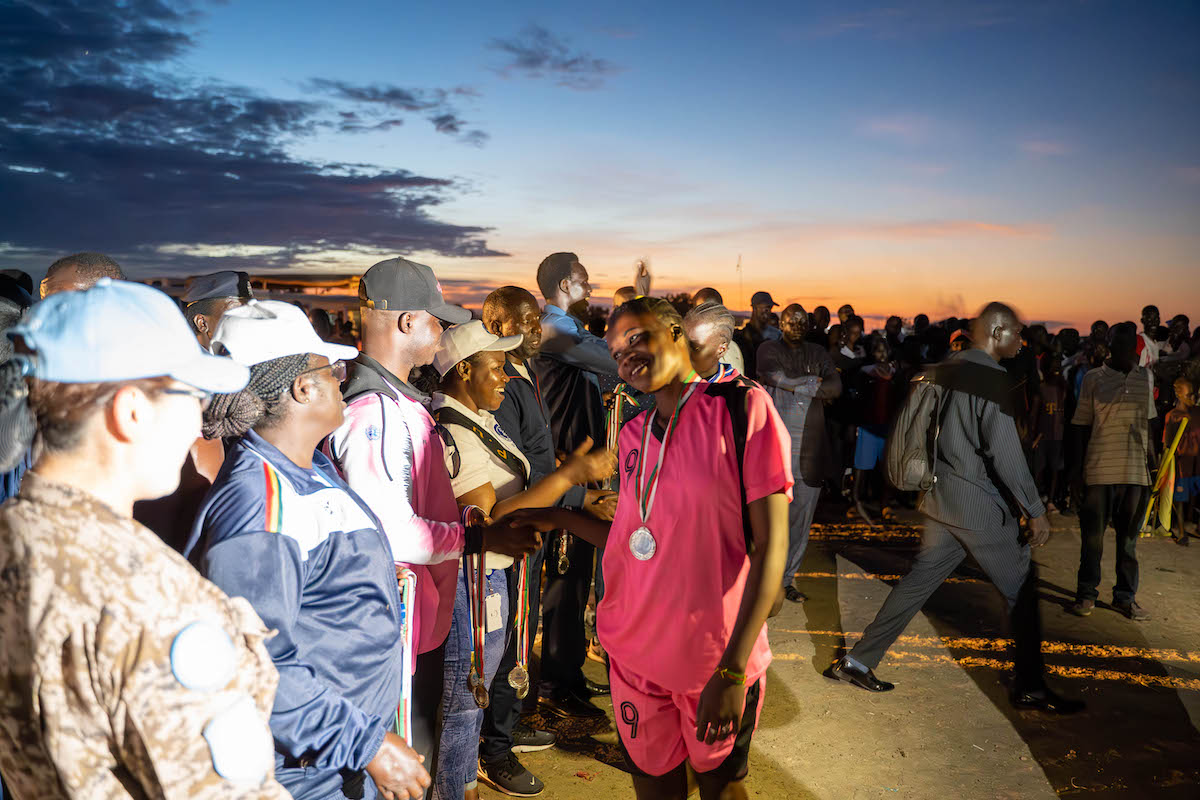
(464, 341)
(263, 330)
(120, 331)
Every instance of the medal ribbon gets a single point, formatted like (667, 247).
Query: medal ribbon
(473, 575)
(408, 588)
(616, 410)
(521, 617)
(474, 579)
(646, 487)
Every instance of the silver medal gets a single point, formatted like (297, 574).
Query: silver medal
(642, 544)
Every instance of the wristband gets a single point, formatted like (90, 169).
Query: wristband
(733, 677)
(472, 540)
(472, 521)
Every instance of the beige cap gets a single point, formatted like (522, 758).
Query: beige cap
(464, 341)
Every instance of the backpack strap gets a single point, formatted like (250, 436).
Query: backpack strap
(943, 410)
(452, 416)
(734, 394)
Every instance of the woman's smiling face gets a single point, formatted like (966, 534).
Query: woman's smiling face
(648, 352)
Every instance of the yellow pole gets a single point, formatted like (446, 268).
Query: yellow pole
(1166, 471)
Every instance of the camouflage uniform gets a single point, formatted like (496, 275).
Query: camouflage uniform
(102, 630)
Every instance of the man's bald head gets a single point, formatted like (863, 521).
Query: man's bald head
(513, 311)
(996, 313)
(707, 295)
(997, 331)
(505, 303)
(78, 272)
(793, 322)
(1122, 343)
(623, 295)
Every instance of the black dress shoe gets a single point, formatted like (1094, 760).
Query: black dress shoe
(568, 705)
(593, 689)
(841, 670)
(1046, 700)
(795, 595)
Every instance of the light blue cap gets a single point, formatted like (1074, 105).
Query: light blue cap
(120, 331)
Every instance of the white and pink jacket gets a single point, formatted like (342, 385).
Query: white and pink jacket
(389, 452)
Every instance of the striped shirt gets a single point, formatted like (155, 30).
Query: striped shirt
(1116, 405)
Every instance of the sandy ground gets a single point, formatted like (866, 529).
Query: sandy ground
(947, 731)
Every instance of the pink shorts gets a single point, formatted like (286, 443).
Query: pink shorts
(657, 728)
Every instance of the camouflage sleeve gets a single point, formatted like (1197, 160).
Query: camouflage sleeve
(187, 710)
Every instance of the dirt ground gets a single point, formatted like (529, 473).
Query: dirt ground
(947, 731)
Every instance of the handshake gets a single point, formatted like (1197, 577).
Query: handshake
(520, 532)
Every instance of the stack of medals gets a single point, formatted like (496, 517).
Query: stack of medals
(473, 576)
(407, 580)
(564, 563)
(518, 678)
(612, 425)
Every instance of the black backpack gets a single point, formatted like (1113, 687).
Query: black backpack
(912, 445)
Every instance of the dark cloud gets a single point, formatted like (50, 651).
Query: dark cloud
(104, 147)
(535, 52)
(435, 103)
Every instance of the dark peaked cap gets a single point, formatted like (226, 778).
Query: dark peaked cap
(218, 284)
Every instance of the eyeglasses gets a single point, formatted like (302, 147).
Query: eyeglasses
(204, 397)
(337, 369)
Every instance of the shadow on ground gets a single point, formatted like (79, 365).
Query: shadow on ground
(1133, 741)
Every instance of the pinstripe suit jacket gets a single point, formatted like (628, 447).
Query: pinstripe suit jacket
(983, 480)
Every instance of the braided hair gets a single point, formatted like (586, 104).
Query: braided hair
(261, 402)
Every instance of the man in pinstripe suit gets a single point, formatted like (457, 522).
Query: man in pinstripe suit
(983, 487)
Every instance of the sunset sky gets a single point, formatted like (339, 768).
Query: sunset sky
(908, 157)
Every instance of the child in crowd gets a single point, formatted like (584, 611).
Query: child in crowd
(876, 396)
(1187, 454)
(1047, 427)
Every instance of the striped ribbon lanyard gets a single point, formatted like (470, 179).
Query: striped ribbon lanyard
(612, 429)
(518, 677)
(645, 488)
(473, 578)
(407, 580)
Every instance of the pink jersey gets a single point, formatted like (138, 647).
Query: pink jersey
(388, 452)
(669, 619)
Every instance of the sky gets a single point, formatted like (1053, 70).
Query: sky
(904, 157)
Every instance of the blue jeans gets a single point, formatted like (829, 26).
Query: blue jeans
(458, 754)
(800, 517)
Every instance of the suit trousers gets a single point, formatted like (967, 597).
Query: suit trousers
(427, 705)
(564, 599)
(1124, 505)
(1007, 563)
(800, 517)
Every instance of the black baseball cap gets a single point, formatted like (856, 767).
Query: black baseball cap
(218, 284)
(402, 285)
(758, 298)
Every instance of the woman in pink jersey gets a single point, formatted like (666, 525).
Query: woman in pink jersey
(692, 563)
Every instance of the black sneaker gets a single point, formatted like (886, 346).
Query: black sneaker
(568, 705)
(1132, 610)
(527, 740)
(507, 776)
